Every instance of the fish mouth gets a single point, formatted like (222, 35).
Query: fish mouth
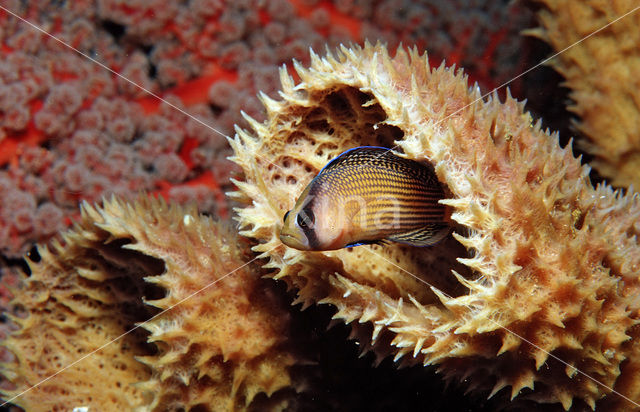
(293, 241)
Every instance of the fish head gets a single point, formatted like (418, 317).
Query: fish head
(313, 223)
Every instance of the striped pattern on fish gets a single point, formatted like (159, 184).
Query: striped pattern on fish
(367, 195)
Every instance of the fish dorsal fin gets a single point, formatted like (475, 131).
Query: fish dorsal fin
(356, 156)
(382, 158)
(424, 236)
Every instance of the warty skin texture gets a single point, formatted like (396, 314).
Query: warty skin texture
(537, 249)
(602, 73)
(221, 347)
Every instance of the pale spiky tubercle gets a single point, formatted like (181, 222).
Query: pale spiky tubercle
(83, 293)
(548, 264)
(221, 340)
(219, 344)
(602, 72)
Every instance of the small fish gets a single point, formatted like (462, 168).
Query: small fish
(367, 195)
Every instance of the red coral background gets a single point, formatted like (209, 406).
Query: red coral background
(70, 130)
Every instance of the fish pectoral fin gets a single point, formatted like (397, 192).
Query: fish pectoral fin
(368, 242)
(425, 236)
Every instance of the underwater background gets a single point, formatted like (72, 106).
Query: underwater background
(76, 125)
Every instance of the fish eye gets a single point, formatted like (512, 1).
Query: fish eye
(284, 218)
(305, 219)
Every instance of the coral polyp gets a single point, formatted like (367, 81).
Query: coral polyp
(532, 300)
(535, 294)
